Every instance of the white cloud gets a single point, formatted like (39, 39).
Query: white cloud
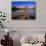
(25, 6)
(20, 6)
(31, 6)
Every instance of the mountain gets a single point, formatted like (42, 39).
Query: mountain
(23, 8)
(15, 8)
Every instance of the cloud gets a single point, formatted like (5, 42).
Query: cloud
(20, 6)
(29, 6)
(32, 6)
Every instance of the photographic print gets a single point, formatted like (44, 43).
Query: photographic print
(23, 10)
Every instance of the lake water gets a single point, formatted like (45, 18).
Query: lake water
(21, 12)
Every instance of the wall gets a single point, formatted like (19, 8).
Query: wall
(26, 26)
(5, 6)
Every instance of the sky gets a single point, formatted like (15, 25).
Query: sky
(23, 0)
(23, 4)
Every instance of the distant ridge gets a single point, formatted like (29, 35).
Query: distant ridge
(15, 8)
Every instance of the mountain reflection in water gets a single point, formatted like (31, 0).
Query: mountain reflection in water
(19, 13)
